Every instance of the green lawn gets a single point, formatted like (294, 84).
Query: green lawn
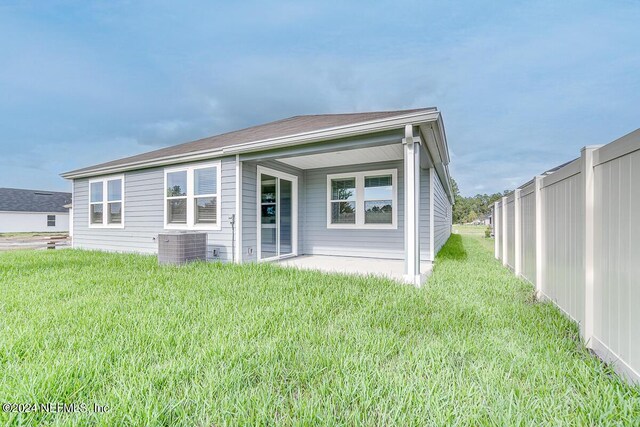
(475, 230)
(208, 344)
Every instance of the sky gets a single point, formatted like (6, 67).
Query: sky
(522, 86)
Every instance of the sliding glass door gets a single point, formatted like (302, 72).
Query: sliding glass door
(269, 216)
(277, 217)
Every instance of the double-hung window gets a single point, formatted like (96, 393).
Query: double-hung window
(343, 200)
(362, 199)
(51, 220)
(192, 197)
(106, 202)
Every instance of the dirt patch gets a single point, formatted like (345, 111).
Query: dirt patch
(12, 242)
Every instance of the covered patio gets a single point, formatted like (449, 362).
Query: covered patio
(360, 204)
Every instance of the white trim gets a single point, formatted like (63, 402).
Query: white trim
(360, 178)
(190, 197)
(239, 251)
(432, 215)
(105, 203)
(294, 212)
(388, 123)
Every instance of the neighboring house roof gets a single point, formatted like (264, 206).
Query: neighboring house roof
(293, 126)
(548, 172)
(552, 170)
(19, 200)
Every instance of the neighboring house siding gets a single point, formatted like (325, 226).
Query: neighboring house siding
(425, 193)
(16, 222)
(319, 240)
(144, 214)
(441, 214)
(250, 202)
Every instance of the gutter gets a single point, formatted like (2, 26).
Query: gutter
(270, 143)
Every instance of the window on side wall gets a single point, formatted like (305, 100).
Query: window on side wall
(51, 220)
(362, 200)
(192, 197)
(106, 202)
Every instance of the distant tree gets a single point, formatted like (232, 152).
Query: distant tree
(468, 209)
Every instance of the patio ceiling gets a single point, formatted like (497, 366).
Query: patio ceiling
(346, 157)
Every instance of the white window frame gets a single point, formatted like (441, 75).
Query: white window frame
(360, 178)
(191, 197)
(54, 220)
(105, 203)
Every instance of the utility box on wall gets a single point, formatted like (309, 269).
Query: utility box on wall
(182, 247)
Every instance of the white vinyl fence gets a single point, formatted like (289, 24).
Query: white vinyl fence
(574, 233)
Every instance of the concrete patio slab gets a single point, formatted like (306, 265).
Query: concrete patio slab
(390, 268)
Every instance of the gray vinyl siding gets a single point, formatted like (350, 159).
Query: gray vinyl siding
(249, 211)
(144, 214)
(319, 240)
(425, 193)
(441, 214)
(250, 203)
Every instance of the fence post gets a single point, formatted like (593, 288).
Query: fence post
(496, 230)
(503, 216)
(518, 233)
(586, 155)
(539, 237)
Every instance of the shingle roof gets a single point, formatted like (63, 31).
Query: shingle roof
(557, 168)
(281, 128)
(19, 200)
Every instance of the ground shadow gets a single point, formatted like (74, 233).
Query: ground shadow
(453, 249)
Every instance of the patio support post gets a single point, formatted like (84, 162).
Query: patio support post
(412, 206)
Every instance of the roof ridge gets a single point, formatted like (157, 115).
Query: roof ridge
(410, 110)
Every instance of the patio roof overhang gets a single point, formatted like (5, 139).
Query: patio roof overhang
(367, 148)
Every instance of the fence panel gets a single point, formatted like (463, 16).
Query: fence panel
(617, 259)
(528, 224)
(585, 211)
(563, 215)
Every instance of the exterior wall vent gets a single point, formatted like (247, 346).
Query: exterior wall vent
(181, 247)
